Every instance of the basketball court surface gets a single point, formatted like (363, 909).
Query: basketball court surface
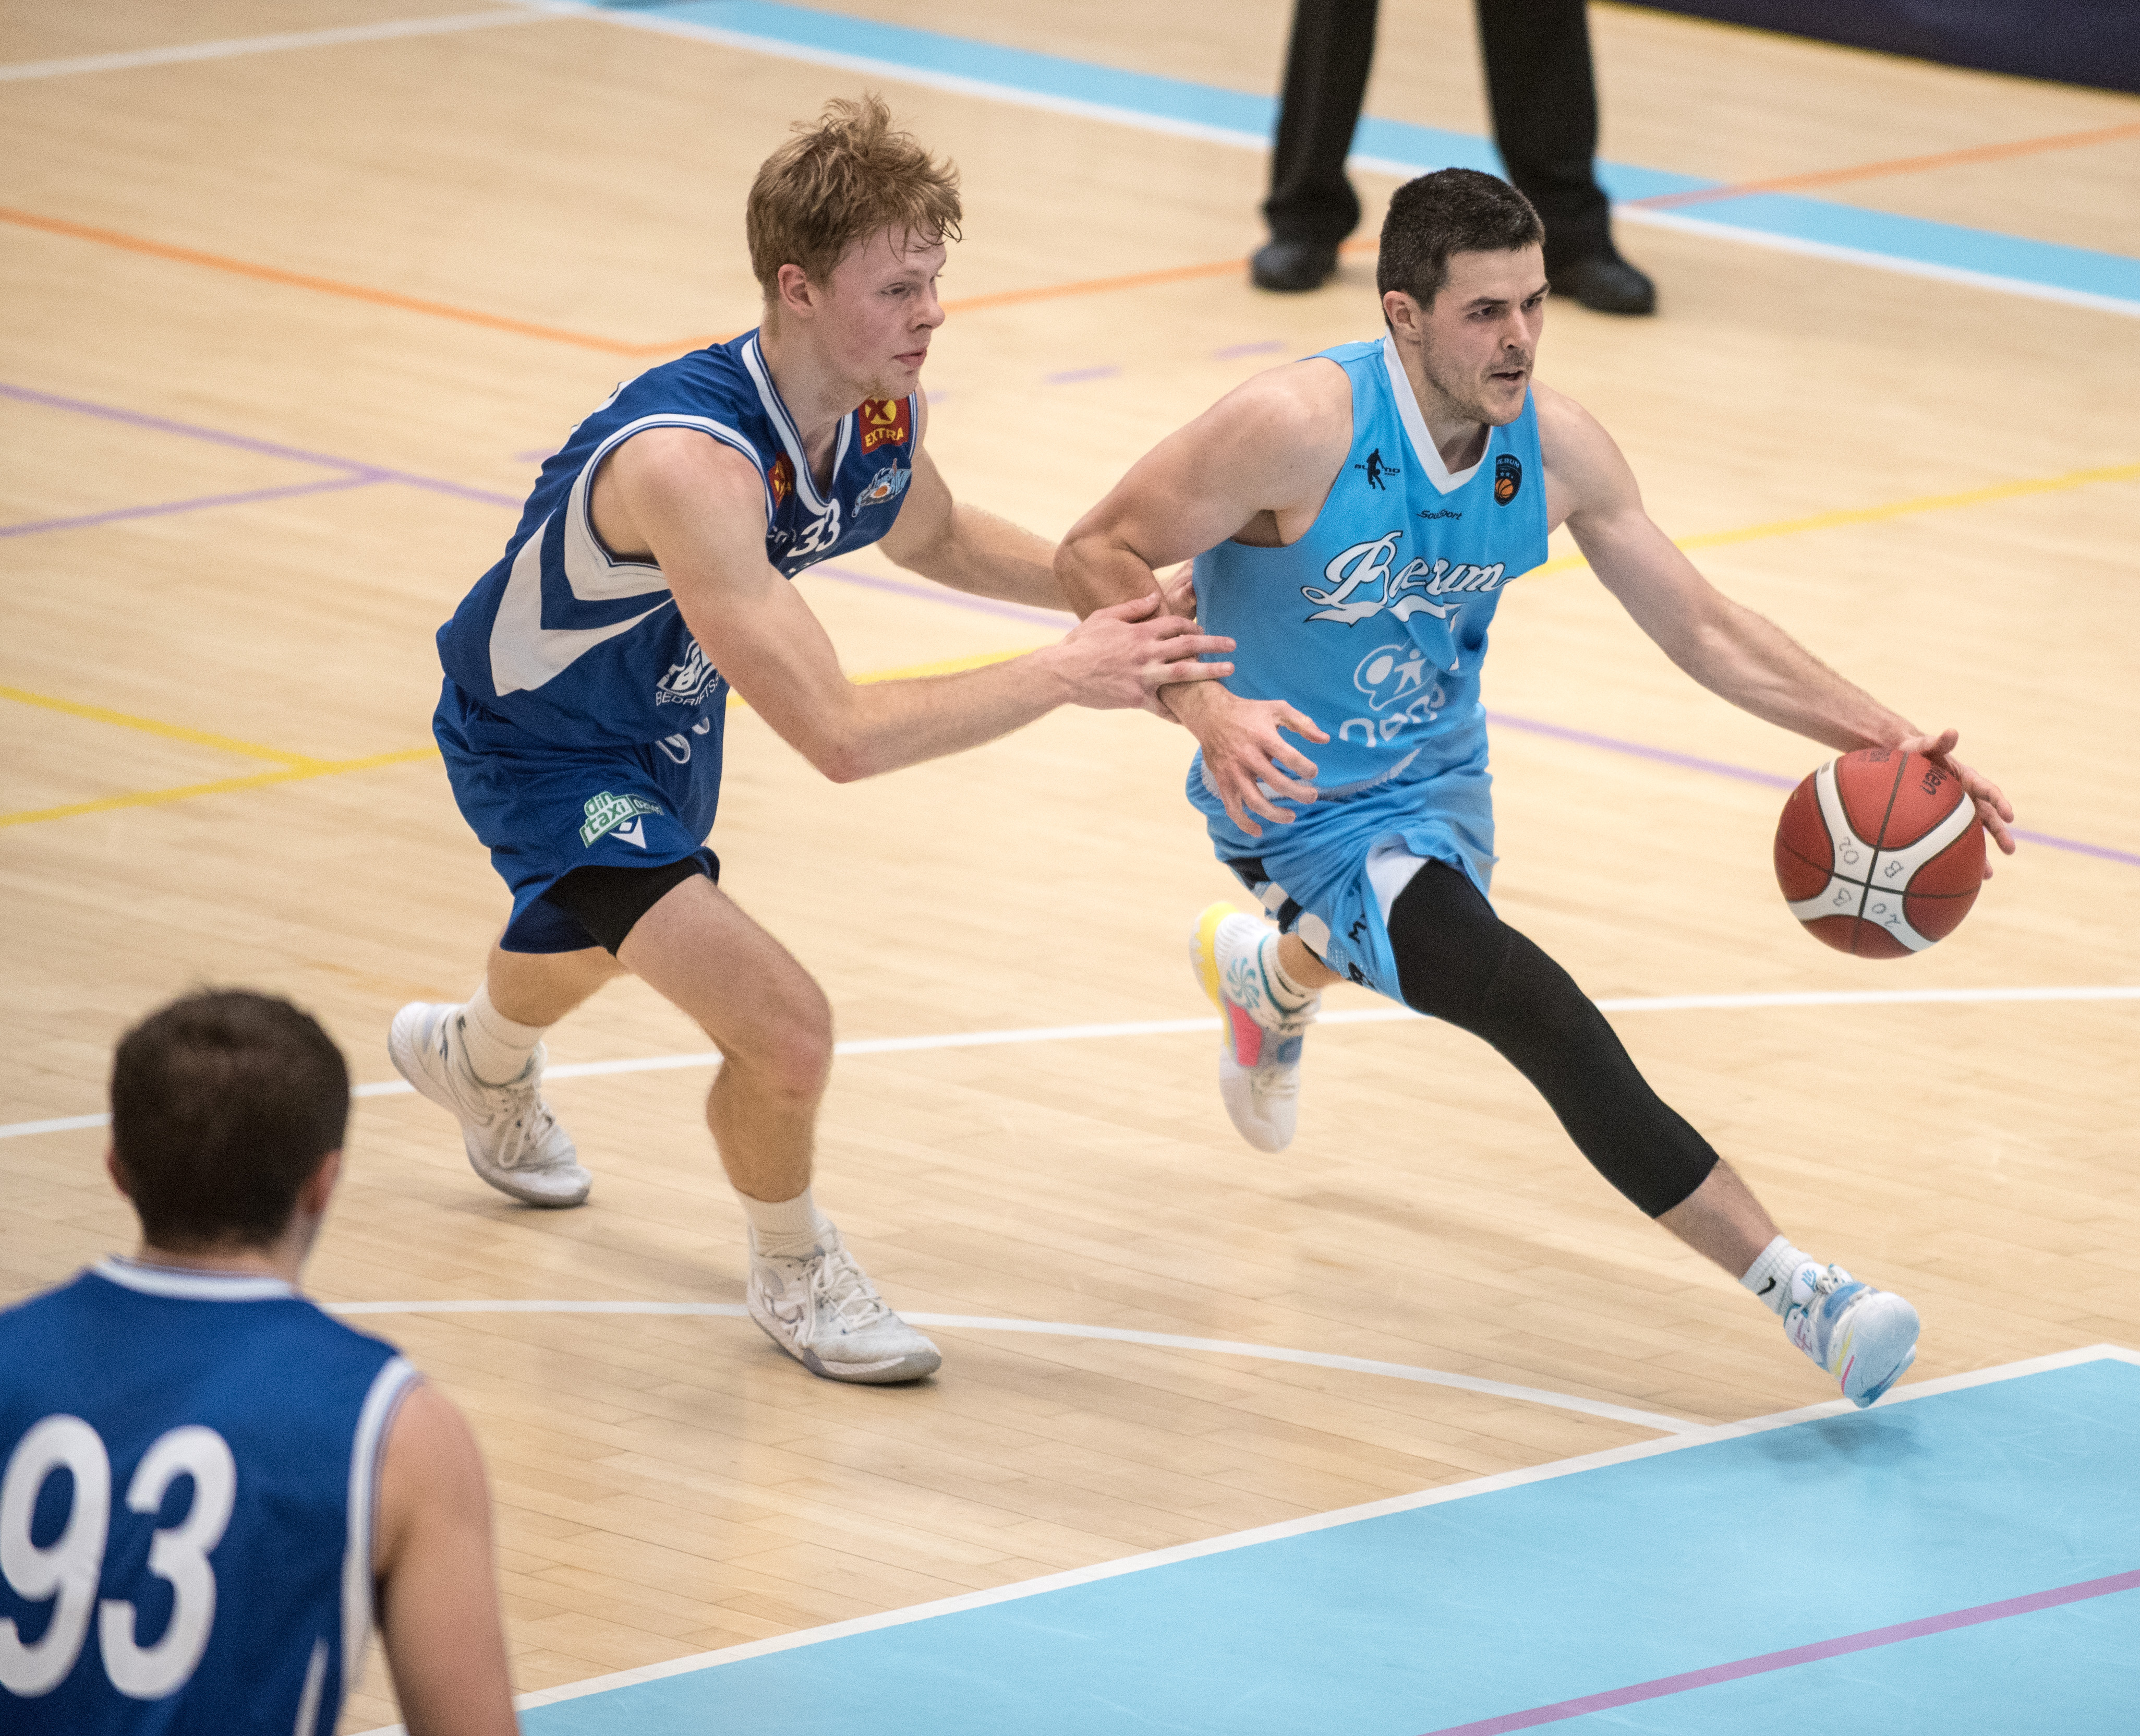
(1415, 1428)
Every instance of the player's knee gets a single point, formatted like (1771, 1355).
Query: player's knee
(789, 1051)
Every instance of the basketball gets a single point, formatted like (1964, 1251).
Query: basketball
(1880, 853)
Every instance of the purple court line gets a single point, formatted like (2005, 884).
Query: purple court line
(35, 526)
(1773, 780)
(244, 443)
(1076, 375)
(364, 473)
(1867, 1642)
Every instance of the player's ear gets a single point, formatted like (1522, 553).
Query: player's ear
(112, 1169)
(1402, 312)
(794, 293)
(319, 1186)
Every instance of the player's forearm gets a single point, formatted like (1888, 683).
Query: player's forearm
(1749, 660)
(889, 725)
(986, 556)
(1094, 570)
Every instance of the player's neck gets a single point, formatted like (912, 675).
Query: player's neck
(283, 1258)
(817, 396)
(1459, 434)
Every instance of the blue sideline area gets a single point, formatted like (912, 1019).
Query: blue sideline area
(1247, 118)
(1490, 1603)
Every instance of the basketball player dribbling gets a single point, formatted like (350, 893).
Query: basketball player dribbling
(1354, 518)
(588, 673)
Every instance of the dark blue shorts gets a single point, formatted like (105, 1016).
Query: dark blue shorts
(545, 809)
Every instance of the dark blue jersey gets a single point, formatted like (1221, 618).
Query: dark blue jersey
(581, 649)
(188, 1466)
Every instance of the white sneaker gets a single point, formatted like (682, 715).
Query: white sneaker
(1259, 1051)
(822, 1309)
(513, 1142)
(1864, 1337)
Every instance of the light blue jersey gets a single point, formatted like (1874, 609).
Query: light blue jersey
(188, 1468)
(1375, 623)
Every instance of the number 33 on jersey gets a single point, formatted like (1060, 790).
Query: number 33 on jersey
(186, 1505)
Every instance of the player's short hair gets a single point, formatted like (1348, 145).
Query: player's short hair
(1450, 211)
(222, 1104)
(839, 181)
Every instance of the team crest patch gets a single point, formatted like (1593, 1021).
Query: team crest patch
(687, 681)
(607, 812)
(1508, 478)
(781, 480)
(884, 421)
(889, 483)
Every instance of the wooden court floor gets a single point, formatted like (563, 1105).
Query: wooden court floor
(320, 310)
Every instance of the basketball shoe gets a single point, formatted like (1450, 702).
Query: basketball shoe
(1864, 1337)
(514, 1141)
(1259, 1044)
(822, 1309)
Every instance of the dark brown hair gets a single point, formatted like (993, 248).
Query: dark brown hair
(1450, 211)
(839, 182)
(222, 1104)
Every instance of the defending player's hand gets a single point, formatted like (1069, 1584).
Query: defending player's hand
(1992, 806)
(1121, 656)
(1251, 764)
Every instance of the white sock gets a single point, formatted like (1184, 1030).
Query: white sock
(1781, 1274)
(497, 1049)
(1286, 994)
(785, 1227)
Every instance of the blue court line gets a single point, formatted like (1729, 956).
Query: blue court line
(1990, 1502)
(2011, 263)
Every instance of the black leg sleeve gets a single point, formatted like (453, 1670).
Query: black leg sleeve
(1326, 80)
(1458, 961)
(1545, 97)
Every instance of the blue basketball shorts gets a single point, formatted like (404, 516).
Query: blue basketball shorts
(543, 809)
(1332, 876)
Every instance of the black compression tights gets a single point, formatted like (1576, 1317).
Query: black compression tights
(1458, 962)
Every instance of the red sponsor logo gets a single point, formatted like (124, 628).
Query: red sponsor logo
(884, 420)
(781, 480)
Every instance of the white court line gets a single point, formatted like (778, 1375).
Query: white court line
(232, 47)
(1177, 1027)
(1118, 1335)
(1299, 1527)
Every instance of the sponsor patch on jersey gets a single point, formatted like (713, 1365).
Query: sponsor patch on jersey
(687, 681)
(889, 483)
(607, 812)
(1508, 478)
(884, 421)
(781, 480)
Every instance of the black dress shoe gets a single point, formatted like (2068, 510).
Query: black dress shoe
(1606, 283)
(1292, 266)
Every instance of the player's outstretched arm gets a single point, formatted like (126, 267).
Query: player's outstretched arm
(1259, 461)
(437, 1583)
(699, 508)
(1740, 655)
(959, 545)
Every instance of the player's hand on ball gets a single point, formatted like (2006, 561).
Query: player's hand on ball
(1251, 764)
(1121, 656)
(1992, 806)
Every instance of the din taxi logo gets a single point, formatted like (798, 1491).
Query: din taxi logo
(781, 480)
(619, 814)
(885, 420)
(1508, 478)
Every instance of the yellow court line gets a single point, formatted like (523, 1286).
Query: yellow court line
(1893, 510)
(298, 766)
(153, 726)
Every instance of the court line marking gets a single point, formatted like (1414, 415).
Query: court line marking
(354, 469)
(231, 47)
(1888, 241)
(1923, 1626)
(193, 504)
(1182, 1027)
(1895, 166)
(1659, 1421)
(1837, 1408)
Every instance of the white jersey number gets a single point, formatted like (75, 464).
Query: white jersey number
(64, 1572)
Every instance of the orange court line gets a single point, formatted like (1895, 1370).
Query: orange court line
(326, 286)
(1895, 166)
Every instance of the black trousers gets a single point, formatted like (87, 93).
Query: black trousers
(1545, 99)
